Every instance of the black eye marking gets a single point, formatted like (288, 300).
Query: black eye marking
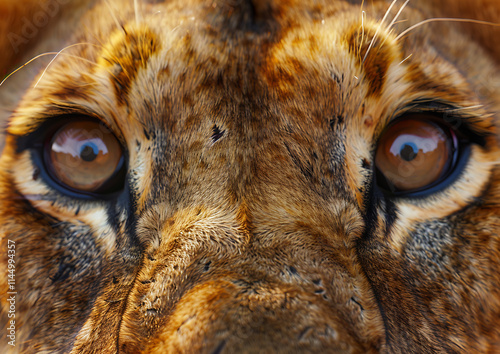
(217, 133)
(366, 164)
(36, 173)
(338, 119)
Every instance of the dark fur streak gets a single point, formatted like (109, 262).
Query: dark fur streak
(338, 119)
(357, 303)
(365, 243)
(337, 79)
(36, 173)
(219, 348)
(305, 168)
(304, 332)
(293, 270)
(64, 271)
(217, 133)
(372, 201)
(390, 214)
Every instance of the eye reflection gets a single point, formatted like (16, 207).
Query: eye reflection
(414, 153)
(83, 156)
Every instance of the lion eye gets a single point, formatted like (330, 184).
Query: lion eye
(84, 156)
(415, 153)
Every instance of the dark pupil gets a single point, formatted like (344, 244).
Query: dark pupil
(89, 152)
(408, 152)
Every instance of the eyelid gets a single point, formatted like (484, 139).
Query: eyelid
(461, 121)
(50, 125)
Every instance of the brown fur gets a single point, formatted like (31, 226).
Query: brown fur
(250, 221)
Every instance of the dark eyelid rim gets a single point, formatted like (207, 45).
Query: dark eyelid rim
(51, 124)
(450, 115)
(62, 113)
(38, 161)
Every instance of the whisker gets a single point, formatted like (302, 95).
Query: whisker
(378, 29)
(51, 53)
(136, 10)
(394, 21)
(363, 16)
(400, 21)
(443, 19)
(398, 14)
(465, 108)
(72, 56)
(118, 25)
(405, 59)
(22, 66)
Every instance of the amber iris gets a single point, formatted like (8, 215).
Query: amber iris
(83, 155)
(414, 153)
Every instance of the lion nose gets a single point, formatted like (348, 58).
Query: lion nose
(232, 315)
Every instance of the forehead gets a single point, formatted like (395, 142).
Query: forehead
(180, 57)
(255, 52)
(251, 52)
(256, 66)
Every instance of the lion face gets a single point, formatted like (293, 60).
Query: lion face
(256, 176)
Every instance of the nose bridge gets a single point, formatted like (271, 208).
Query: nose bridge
(247, 237)
(192, 231)
(212, 279)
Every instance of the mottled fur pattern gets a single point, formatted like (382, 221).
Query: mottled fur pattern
(250, 220)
